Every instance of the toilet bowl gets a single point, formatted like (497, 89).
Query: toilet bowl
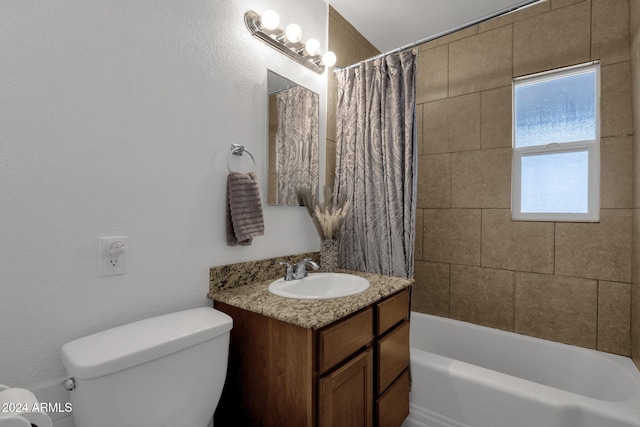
(165, 371)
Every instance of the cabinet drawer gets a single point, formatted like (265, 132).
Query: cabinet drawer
(340, 340)
(392, 408)
(393, 355)
(391, 311)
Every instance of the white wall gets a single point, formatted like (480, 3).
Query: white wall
(116, 118)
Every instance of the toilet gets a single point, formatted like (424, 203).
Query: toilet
(166, 371)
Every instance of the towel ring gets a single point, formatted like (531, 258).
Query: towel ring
(237, 150)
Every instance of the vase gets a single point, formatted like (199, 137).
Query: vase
(329, 255)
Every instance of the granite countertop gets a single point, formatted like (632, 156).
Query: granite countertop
(312, 314)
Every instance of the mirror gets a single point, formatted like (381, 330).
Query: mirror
(293, 140)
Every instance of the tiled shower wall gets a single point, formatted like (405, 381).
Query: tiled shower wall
(567, 282)
(635, 80)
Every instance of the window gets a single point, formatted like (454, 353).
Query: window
(556, 145)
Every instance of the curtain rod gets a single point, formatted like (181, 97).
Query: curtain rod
(521, 5)
(282, 90)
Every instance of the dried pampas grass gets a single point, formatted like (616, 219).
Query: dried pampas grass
(327, 217)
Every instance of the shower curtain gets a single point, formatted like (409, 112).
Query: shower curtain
(376, 164)
(296, 143)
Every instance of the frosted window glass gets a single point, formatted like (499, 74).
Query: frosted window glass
(557, 110)
(555, 183)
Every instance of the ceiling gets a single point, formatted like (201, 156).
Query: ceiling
(390, 24)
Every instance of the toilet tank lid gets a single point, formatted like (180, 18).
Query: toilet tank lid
(135, 343)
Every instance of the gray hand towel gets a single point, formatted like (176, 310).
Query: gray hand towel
(244, 209)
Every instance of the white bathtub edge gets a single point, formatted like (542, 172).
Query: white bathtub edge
(571, 406)
(422, 417)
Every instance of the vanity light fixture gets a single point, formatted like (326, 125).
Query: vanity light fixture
(288, 41)
(270, 19)
(312, 46)
(293, 33)
(329, 59)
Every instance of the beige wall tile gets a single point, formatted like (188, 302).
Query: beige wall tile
(483, 296)
(552, 40)
(272, 194)
(419, 134)
(635, 325)
(432, 76)
(343, 43)
(495, 125)
(614, 317)
(596, 250)
(466, 32)
(332, 104)
(616, 115)
(431, 289)
(635, 90)
(634, 12)
(636, 162)
(556, 4)
(367, 50)
(452, 236)
(344, 38)
(616, 172)
(336, 17)
(452, 124)
(635, 273)
(610, 31)
(514, 245)
(417, 250)
(481, 179)
(434, 181)
(635, 292)
(557, 308)
(512, 17)
(480, 62)
(330, 168)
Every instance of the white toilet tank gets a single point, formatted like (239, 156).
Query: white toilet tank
(167, 371)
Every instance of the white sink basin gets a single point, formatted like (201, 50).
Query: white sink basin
(320, 286)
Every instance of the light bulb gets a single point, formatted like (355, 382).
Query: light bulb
(329, 59)
(312, 46)
(270, 19)
(293, 33)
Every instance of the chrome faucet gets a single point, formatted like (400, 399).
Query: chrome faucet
(288, 275)
(299, 271)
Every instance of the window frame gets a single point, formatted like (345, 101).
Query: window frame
(592, 147)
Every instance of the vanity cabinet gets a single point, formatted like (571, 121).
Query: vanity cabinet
(351, 373)
(392, 362)
(344, 394)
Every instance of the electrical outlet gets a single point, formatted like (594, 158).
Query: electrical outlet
(112, 255)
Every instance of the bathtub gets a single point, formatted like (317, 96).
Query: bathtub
(467, 375)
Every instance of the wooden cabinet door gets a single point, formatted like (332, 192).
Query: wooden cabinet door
(346, 395)
(393, 356)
